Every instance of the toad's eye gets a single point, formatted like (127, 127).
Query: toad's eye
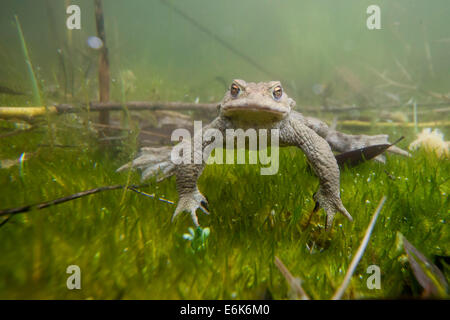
(277, 92)
(234, 90)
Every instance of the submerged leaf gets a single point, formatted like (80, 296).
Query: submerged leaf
(355, 157)
(427, 274)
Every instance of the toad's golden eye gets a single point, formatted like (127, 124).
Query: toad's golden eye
(277, 92)
(234, 90)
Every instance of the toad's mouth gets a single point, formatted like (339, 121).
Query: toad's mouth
(233, 110)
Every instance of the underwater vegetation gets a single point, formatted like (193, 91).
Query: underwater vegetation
(127, 247)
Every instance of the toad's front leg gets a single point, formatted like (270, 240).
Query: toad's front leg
(190, 198)
(190, 169)
(294, 132)
(164, 162)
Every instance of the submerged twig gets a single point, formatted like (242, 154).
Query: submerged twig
(293, 282)
(43, 205)
(32, 112)
(397, 84)
(403, 70)
(357, 123)
(29, 113)
(103, 64)
(5, 220)
(150, 195)
(392, 82)
(362, 247)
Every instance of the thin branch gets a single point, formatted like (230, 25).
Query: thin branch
(43, 205)
(5, 220)
(29, 113)
(293, 282)
(403, 69)
(151, 105)
(392, 82)
(103, 64)
(408, 86)
(345, 108)
(150, 195)
(358, 123)
(359, 252)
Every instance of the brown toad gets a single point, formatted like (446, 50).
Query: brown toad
(261, 105)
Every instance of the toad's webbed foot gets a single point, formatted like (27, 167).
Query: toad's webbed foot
(190, 202)
(331, 203)
(157, 162)
(153, 162)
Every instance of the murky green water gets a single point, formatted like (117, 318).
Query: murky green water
(201, 45)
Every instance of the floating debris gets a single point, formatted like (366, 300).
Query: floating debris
(432, 141)
(355, 157)
(94, 42)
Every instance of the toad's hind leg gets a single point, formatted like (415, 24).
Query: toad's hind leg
(342, 142)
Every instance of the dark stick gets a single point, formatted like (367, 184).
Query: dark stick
(5, 221)
(175, 105)
(43, 205)
(103, 67)
(138, 105)
(144, 105)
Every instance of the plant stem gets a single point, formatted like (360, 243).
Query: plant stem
(359, 253)
(36, 94)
